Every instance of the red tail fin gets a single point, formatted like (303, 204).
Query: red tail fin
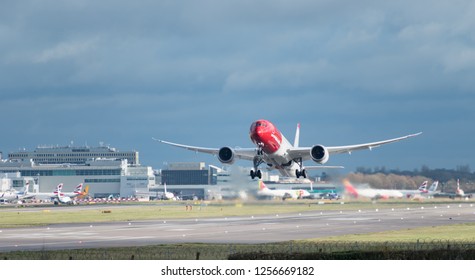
(349, 188)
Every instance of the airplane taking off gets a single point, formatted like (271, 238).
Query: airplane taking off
(278, 153)
(284, 194)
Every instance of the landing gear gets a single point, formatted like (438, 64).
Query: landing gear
(301, 172)
(255, 174)
(257, 161)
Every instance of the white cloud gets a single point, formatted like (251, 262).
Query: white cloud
(65, 50)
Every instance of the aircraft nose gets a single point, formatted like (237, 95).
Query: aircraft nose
(256, 133)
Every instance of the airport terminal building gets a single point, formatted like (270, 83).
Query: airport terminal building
(106, 170)
(109, 172)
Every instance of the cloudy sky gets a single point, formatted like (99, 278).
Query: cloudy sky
(199, 72)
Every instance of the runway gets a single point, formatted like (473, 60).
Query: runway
(243, 229)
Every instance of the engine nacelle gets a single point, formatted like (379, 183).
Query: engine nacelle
(319, 154)
(226, 155)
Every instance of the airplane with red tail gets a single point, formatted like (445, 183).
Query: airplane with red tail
(273, 149)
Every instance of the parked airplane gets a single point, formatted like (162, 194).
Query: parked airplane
(458, 193)
(371, 193)
(166, 195)
(276, 151)
(432, 189)
(13, 195)
(62, 199)
(52, 195)
(422, 191)
(282, 193)
(8, 196)
(77, 191)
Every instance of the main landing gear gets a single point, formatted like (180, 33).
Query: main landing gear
(257, 161)
(301, 172)
(255, 174)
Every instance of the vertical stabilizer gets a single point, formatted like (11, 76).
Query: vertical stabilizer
(297, 136)
(262, 186)
(434, 186)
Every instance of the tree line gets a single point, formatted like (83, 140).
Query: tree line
(380, 177)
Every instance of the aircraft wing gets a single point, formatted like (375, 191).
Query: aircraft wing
(304, 152)
(240, 153)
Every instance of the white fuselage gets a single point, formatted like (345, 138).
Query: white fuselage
(280, 159)
(288, 193)
(378, 193)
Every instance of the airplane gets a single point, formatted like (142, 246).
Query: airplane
(52, 195)
(13, 195)
(77, 191)
(458, 193)
(62, 199)
(166, 195)
(278, 153)
(422, 191)
(8, 195)
(371, 193)
(284, 194)
(432, 189)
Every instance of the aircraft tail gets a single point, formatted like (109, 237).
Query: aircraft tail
(78, 189)
(350, 189)
(423, 187)
(434, 186)
(459, 191)
(86, 190)
(58, 188)
(297, 136)
(262, 186)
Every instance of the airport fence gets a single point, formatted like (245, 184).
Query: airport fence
(421, 249)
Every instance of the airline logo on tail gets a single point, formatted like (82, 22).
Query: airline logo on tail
(78, 189)
(350, 189)
(423, 187)
(262, 186)
(58, 189)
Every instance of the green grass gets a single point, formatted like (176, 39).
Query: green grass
(457, 232)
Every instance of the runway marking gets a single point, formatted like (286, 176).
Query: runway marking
(351, 219)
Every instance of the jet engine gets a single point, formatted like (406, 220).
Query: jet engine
(319, 154)
(226, 155)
